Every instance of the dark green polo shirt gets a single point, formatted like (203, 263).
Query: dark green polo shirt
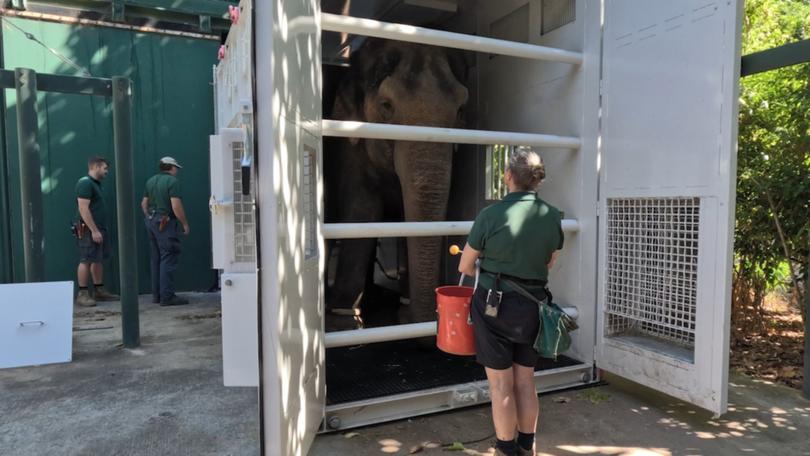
(160, 189)
(517, 236)
(90, 189)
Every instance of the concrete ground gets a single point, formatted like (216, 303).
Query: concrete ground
(621, 419)
(167, 398)
(164, 398)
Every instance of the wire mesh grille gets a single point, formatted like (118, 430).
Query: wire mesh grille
(652, 259)
(244, 239)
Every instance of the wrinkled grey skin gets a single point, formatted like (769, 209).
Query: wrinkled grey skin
(380, 180)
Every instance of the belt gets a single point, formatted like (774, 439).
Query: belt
(155, 212)
(518, 280)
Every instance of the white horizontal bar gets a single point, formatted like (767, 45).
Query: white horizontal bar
(410, 229)
(396, 332)
(410, 33)
(352, 129)
(382, 334)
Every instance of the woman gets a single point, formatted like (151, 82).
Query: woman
(517, 241)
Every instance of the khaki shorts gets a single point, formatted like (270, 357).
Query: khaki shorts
(91, 252)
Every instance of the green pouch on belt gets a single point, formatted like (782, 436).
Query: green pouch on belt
(552, 337)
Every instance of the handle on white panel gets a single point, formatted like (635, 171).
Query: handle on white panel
(32, 323)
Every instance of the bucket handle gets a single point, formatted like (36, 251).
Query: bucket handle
(477, 273)
(475, 286)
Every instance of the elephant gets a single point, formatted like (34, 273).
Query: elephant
(371, 180)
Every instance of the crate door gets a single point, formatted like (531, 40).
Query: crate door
(668, 164)
(290, 214)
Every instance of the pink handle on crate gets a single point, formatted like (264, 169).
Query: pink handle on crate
(234, 13)
(221, 52)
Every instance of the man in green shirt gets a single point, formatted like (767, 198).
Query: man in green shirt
(90, 230)
(165, 219)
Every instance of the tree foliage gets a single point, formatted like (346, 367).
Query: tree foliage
(773, 182)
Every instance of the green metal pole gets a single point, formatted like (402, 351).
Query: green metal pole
(25, 81)
(6, 268)
(122, 131)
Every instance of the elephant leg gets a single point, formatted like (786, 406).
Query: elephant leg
(355, 258)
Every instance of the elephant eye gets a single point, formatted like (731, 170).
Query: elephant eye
(386, 108)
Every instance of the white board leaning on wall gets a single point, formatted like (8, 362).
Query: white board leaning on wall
(36, 323)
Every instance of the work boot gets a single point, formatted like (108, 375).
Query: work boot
(103, 295)
(524, 452)
(84, 299)
(174, 301)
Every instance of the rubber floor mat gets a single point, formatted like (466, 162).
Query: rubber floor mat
(377, 370)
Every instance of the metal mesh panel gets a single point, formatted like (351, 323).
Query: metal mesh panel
(652, 259)
(244, 239)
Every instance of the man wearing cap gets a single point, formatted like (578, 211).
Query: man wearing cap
(165, 219)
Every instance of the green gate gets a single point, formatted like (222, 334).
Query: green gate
(173, 115)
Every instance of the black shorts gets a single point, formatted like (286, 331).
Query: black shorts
(91, 252)
(508, 338)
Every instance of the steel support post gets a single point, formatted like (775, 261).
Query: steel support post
(6, 267)
(25, 82)
(122, 131)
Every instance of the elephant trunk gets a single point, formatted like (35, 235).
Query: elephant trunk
(424, 174)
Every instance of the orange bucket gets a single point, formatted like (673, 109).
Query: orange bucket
(455, 332)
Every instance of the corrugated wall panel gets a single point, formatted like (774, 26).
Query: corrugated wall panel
(172, 115)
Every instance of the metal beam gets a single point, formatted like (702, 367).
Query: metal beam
(63, 84)
(30, 178)
(125, 198)
(410, 229)
(412, 34)
(215, 8)
(778, 57)
(351, 129)
(382, 334)
(6, 267)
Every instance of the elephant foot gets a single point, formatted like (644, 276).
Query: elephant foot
(343, 320)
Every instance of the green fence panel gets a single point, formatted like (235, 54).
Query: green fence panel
(173, 115)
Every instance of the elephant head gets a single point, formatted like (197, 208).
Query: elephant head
(401, 83)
